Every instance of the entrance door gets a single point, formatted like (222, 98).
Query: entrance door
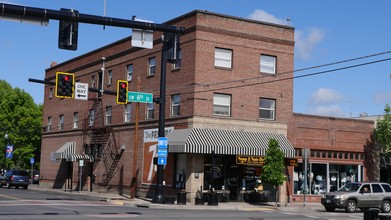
(334, 181)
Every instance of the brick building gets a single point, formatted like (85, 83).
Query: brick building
(231, 91)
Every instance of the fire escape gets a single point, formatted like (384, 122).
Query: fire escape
(99, 141)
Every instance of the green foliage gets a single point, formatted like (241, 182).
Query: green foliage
(21, 119)
(273, 170)
(382, 131)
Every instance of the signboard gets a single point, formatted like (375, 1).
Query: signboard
(162, 152)
(250, 160)
(81, 163)
(162, 143)
(142, 38)
(162, 161)
(81, 91)
(9, 151)
(32, 160)
(140, 97)
(291, 162)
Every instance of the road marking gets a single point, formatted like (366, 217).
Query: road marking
(257, 209)
(9, 197)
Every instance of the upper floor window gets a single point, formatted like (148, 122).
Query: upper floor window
(128, 111)
(175, 105)
(178, 62)
(151, 66)
(267, 109)
(221, 104)
(49, 128)
(93, 81)
(150, 110)
(129, 72)
(61, 123)
(51, 92)
(91, 117)
(75, 119)
(109, 77)
(223, 58)
(268, 64)
(108, 115)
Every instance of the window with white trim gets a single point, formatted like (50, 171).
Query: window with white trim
(268, 64)
(223, 58)
(151, 66)
(108, 115)
(150, 110)
(110, 77)
(175, 105)
(267, 109)
(51, 92)
(61, 123)
(91, 117)
(93, 81)
(221, 104)
(75, 119)
(129, 72)
(49, 128)
(128, 112)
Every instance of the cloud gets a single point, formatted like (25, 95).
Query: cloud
(324, 96)
(305, 42)
(382, 97)
(261, 15)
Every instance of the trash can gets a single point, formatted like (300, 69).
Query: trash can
(371, 214)
(181, 198)
(213, 199)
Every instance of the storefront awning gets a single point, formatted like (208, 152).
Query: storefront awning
(74, 157)
(65, 150)
(203, 141)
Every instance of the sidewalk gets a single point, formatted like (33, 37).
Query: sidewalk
(124, 200)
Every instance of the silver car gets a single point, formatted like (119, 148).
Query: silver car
(363, 195)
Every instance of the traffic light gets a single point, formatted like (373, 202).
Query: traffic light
(171, 43)
(68, 32)
(122, 92)
(65, 85)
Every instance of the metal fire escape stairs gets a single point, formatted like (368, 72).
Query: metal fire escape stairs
(99, 140)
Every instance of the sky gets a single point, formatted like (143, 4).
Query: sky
(342, 48)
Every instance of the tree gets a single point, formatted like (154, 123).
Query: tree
(382, 131)
(273, 170)
(20, 119)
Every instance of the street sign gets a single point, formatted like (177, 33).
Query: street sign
(81, 91)
(142, 38)
(162, 143)
(140, 97)
(162, 160)
(162, 152)
(81, 163)
(32, 160)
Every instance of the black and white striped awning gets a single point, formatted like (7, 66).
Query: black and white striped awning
(75, 157)
(65, 150)
(203, 141)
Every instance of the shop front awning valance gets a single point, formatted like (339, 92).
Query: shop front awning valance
(65, 150)
(204, 141)
(75, 157)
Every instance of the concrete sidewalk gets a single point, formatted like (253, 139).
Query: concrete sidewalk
(124, 200)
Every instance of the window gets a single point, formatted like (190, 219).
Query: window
(128, 111)
(267, 108)
(61, 124)
(91, 118)
(49, 128)
(175, 105)
(222, 104)
(376, 188)
(223, 58)
(108, 115)
(50, 92)
(151, 66)
(268, 64)
(76, 120)
(150, 110)
(93, 81)
(110, 77)
(178, 63)
(386, 187)
(129, 72)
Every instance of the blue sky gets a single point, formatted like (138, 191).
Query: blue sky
(326, 32)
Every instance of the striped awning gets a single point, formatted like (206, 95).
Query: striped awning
(75, 157)
(65, 150)
(203, 141)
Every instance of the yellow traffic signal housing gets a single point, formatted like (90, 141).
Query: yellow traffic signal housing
(122, 92)
(65, 85)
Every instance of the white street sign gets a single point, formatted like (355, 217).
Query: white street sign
(81, 91)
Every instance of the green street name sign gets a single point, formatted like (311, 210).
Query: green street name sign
(140, 97)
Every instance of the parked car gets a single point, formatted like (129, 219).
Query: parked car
(363, 195)
(15, 178)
